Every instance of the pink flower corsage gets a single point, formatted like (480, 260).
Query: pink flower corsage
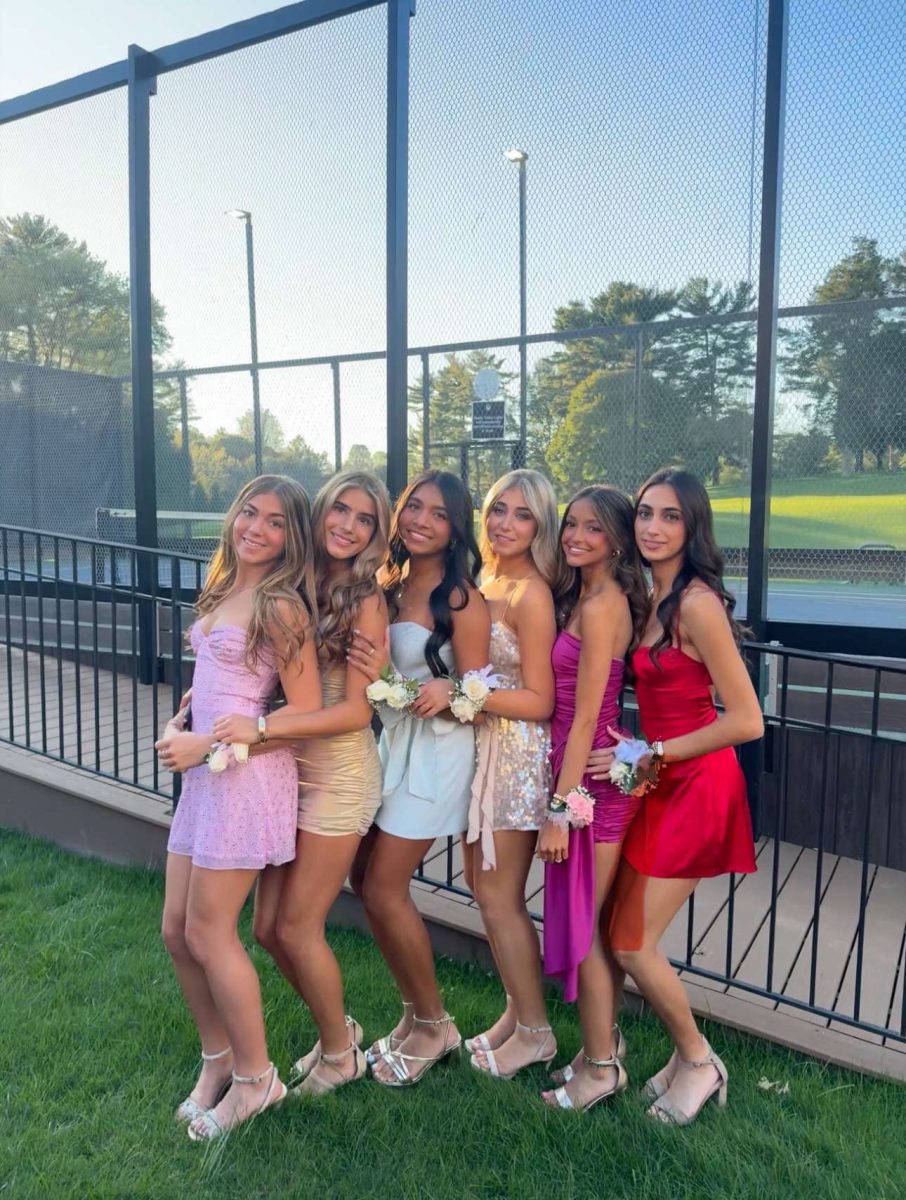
(575, 810)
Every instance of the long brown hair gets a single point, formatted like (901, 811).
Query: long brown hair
(461, 561)
(701, 557)
(615, 512)
(289, 586)
(340, 597)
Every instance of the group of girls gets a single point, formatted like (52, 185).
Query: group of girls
(321, 605)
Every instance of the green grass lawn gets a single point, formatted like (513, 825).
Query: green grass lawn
(825, 512)
(96, 1049)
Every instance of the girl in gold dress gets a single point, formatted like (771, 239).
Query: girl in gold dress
(339, 773)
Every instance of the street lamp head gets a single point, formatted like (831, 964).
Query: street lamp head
(240, 214)
(515, 155)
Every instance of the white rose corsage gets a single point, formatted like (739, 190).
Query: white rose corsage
(221, 756)
(575, 810)
(635, 767)
(470, 694)
(392, 689)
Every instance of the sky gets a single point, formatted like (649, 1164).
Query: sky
(637, 116)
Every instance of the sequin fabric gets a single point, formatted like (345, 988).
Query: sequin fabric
(245, 817)
(512, 780)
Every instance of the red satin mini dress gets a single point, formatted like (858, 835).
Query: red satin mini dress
(696, 823)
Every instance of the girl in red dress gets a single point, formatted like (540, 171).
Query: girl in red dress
(695, 822)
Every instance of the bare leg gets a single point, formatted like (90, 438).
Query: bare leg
(403, 940)
(597, 995)
(268, 896)
(194, 983)
(644, 908)
(514, 941)
(505, 1024)
(214, 903)
(314, 881)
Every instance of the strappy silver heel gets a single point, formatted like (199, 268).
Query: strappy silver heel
(562, 1097)
(481, 1040)
(544, 1053)
(565, 1074)
(669, 1114)
(306, 1064)
(384, 1045)
(659, 1083)
(190, 1109)
(206, 1127)
(316, 1085)
(398, 1062)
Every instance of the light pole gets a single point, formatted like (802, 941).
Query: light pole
(520, 158)
(241, 214)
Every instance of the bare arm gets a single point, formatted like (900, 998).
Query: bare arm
(354, 711)
(706, 629)
(536, 629)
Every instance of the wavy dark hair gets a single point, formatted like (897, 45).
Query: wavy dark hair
(462, 561)
(701, 557)
(617, 516)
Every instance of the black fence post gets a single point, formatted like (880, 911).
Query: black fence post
(142, 85)
(766, 329)
(399, 13)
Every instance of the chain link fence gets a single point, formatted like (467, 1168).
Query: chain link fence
(640, 129)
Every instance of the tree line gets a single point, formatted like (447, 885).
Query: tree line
(671, 382)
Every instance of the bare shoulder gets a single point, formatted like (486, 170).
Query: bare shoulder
(701, 603)
(471, 610)
(602, 608)
(373, 608)
(533, 597)
(292, 613)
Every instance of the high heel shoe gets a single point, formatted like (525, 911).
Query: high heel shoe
(190, 1108)
(565, 1074)
(667, 1112)
(481, 1041)
(384, 1045)
(303, 1066)
(207, 1128)
(562, 1096)
(398, 1062)
(316, 1085)
(659, 1083)
(544, 1053)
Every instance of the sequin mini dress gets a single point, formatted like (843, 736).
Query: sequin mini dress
(512, 783)
(244, 817)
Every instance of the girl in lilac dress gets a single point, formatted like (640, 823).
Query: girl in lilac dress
(601, 616)
(252, 631)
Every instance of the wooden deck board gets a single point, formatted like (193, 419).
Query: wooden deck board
(884, 966)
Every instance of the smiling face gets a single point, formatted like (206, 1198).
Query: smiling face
(349, 524)
(583, 539)
(259, 530)
(511, 528)
(424, 523)
(660, 530)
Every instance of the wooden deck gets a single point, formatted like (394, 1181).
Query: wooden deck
(816, 950)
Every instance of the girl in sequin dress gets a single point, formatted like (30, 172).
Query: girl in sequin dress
(339, 773)
(253, 630)
(695, 822)
(439, 623)
(511, 788)
(603, 611)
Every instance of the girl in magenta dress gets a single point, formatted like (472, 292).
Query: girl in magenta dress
(601, 614)
(695, 821)
(253, 630)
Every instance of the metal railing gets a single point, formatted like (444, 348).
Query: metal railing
(823, 927)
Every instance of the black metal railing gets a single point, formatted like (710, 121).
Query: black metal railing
(821, 927)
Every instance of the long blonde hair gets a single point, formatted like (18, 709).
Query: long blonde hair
(341, 597)
(541, 501)
(288, 587)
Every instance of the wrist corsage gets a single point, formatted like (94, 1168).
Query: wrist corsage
(470, 694)
(398, 691)
(636, 766)
(220, 756)
(575, 810)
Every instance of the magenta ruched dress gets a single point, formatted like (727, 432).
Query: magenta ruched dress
(569, 887)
